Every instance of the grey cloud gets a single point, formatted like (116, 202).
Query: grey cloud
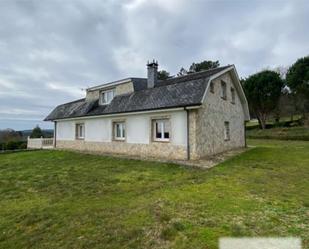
(51, 50)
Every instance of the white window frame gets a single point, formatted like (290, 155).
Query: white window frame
(233, 94)
(227, 131)
(106, 101)
(80, 134)
(223, 90)
(161, 122)
(122, 126)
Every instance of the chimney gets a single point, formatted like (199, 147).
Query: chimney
(152, 73)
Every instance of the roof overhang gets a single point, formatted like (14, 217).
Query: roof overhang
(129, 113)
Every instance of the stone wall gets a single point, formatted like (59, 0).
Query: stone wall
(192, 134)
(124, 88)
(119, 89)
(92, 95)
(154, 149)
(210, 118)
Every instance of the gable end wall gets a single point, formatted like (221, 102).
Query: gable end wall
(210, 120)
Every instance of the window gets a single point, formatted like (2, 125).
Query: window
(119, 130)
(107, 96)
(233, 95)
(212, 87)
(223, 90)
(161, 130)
(226, 131)
(80, 131)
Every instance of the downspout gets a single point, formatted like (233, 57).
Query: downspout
(55, 134)
(188, 134)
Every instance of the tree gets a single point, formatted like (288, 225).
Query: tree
(8, 135)
(204, 65)
(36, 132)
(263, 91)
(163, 75)
(182, 72)
(297, 79)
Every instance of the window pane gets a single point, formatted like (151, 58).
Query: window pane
(118, 133)
(80, 131)
(166, 129)
(223, 89)
(107, 96)
(119, 130)
(158, 129)
(161, 129)
(226, 130)
(233, 95)
(123, 130)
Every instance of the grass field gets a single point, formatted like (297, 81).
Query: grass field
(56, 199)
(292, 133)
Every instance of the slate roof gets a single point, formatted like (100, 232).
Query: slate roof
(180, 91)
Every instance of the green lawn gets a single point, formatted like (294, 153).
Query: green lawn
(292, 133)
(56, 199)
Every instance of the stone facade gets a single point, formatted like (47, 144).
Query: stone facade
(207, 130)
(92, 95)
(119, 89)
(124, 88)
(154, 149)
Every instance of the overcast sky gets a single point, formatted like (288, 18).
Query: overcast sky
(51, 50)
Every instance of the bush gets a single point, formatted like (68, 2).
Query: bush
(14, 145)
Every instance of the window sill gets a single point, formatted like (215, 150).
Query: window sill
(161, 140)
(119, 139)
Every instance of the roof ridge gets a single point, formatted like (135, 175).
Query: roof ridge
(200, 72)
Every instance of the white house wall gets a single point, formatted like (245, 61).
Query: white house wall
(138, 128)
(65, 130)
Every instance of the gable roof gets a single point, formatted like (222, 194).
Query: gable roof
(180, 91)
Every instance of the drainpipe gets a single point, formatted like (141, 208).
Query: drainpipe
(55, 134)
(188, 134)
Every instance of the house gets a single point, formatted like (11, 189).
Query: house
(185, 117)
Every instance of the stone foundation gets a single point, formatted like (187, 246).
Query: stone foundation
(154, 150)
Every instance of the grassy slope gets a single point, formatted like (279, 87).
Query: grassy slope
(293, 133)
(52, 199)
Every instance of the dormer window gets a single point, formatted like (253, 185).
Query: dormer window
(107, 96)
